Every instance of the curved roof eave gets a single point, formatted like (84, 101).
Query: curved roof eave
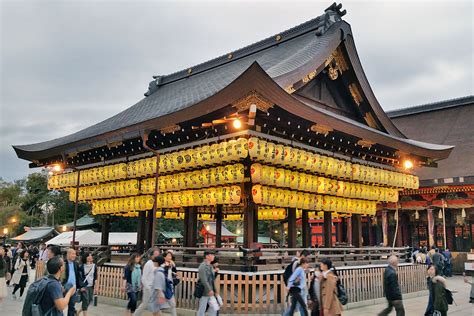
(255, 78)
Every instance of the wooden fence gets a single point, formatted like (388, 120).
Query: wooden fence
(264, 291)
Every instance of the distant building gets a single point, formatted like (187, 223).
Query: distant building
(452, 182)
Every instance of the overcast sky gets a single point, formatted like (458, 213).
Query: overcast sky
(68, 64)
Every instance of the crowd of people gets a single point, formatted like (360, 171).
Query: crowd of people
(67, 281)
(152, 279)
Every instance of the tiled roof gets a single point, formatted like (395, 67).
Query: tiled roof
(440, 105)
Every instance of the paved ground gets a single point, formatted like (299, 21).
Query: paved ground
(413, 306)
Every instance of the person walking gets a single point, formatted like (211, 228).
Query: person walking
(471, 283)
(163, 291)
(431, 271)
(297, 286)
(330, 304)
(147, 281)
(20, 277)
(289, 270)
(438, 261)
(72, 278)
(52, 302)
(314, 292)
(391, 288)
(440, 303)
(89, 272)
(207, 278)
(3, 272)
(447, 263)
(131, 284)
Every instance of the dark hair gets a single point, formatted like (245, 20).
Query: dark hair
(54, 264)
(327, 262)
(159, 259)
(56, 250)
(131, 260)
(303, 261)
(429, 266)
(305, 253)
(84, 257)
(169, 253)
(22, 254)
(208, 252)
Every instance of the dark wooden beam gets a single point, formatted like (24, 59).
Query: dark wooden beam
(356, 230)
(150, 227)
(141, 231)
(192, 227)
(291, 227)
(219, 226)
(249, 215)
(306, 229)
(370, 228)
(104, 239)
(327, 229)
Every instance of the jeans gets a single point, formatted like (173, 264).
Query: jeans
(146, 296)
(300, 308)
(203, 305)
(132, 301)
(71, 309)
(297, 299)
(399, 309)
(429, 308)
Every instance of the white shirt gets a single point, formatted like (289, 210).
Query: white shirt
(148, 274)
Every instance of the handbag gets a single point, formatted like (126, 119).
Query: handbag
(341, 293)
(198, 290)
(95, 300)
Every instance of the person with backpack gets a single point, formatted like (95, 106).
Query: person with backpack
(429, 284)
(45, 296)
(147, 280)
(88, 270)
(22, 272)
(440, 299)
(163, 290)
(391, 288)
(438, 261)
(131, 281)
(330, 304)
(297, 287)
(295, 263)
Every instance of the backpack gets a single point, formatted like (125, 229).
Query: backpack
(34, 296)
(169, 287)
(289, 271)
(341, 293)
(449, 296)
(198, 290)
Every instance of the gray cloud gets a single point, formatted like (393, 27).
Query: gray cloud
(68, 64)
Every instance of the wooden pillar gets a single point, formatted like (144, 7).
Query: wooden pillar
(104, 239)
(349, 229)
(150, 234)
(249, 215)
(306, 230)
(141, 231)
(191, 228)
(327, 230)
(186, 225)
(219, 226)
(356, 230)
(431, 222)
(291, 227)
(385, 227)
(370, 229)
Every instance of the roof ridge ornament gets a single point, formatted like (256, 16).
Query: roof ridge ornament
(331, 15)
(153, 85)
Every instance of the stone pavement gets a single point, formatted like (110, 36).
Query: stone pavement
(413, 306)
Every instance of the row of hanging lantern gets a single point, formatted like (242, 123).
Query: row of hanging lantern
(290, 157)
(294, 180)
(207, 155)
(106, 190)
(202, 197)
(203, 178)
(264, 195)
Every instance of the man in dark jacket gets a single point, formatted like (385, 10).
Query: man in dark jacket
(72, 278)
(438, 262)
(392, 288)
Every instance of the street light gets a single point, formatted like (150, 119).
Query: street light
(408, 164)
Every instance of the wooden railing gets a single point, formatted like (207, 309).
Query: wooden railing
(264, 292)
